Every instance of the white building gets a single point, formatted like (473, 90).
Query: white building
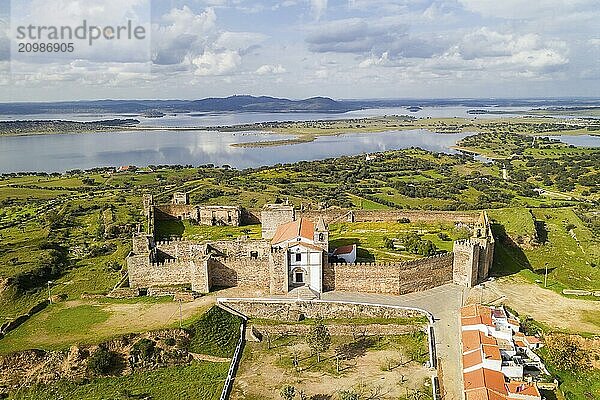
(306, 246)
(346, 253)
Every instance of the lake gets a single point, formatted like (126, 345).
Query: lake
(51, 153)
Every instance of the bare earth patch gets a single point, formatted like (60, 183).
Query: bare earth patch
(264, 373)
(541, 304)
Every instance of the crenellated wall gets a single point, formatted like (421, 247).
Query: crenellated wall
(389, 278)
(344, 215)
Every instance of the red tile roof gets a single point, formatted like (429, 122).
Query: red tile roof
(484, 394)
(299, 228)
(484, 378)
(344, 249)
(475, 314)
(472, 340)
(523, 388)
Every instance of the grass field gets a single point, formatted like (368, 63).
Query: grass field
(370, 238)
(570, 249)
(215, 333)
(200, 380)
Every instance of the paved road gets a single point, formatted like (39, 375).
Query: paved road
(444, 303)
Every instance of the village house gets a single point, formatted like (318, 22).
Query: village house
(494, 355)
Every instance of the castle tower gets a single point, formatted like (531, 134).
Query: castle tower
(148, 201)
(465, 268)
(274, 215)
(321, 238)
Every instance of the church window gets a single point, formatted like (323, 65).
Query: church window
(298, 257)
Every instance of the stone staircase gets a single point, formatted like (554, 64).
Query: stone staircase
(303, 293)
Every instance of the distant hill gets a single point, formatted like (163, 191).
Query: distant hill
(246, 103)
(212, 104)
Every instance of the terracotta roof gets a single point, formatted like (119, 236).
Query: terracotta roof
(491, 352)
(344, 249)
(475, 314)
(522, 388)
(299, 228)
(472, 340)
(520, 343)
(532, 339)
(472, 359)
(485, 378)
(484, 394)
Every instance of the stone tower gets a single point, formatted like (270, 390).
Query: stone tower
(473, 257)
(273, 215)
(321, 238)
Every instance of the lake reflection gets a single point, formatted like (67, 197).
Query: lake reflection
(83, 151)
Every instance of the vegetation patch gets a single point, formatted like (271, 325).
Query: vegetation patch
(199, 380)
(215, 333)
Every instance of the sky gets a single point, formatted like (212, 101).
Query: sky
(302, 48)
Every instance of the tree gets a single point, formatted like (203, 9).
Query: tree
(288, 392)
(566, 353)
(318, 339)
(102, 362)
(349, 395)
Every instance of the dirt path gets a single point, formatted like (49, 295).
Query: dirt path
(205, 357)
(580, 316)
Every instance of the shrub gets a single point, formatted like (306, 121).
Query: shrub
(104, 362)
(144, 348)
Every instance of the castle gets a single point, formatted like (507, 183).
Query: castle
(292, 255)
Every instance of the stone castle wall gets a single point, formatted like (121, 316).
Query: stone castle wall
(273, 216)
(342, 215)
(389, 278)
(244, 263)
(143, 273)
(175, 211)
(292, 310)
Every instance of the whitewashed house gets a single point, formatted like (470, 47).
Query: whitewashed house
(306, 246)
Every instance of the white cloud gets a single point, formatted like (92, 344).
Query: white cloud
(318, 8)
(519, 9)
(209, 63)
(525, 52)
(270, 69)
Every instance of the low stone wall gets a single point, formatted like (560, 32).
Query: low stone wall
(389, 278)
(293, 310)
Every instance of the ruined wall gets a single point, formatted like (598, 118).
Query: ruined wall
(143, 273)
(291, 310)
(389, 278)
(219, 215)
(175, 211)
